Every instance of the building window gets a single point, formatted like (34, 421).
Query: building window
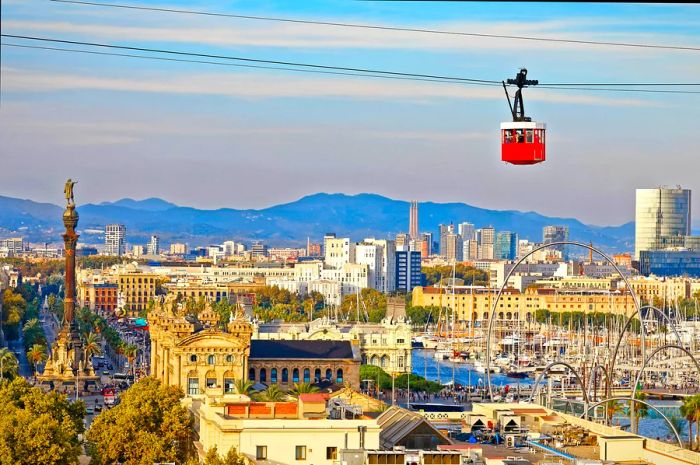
(229, 358)
(329, 374)
(307, 375)
(295, 375)
(399, 341)
(317, 375)
(211, 382)
(401, 361)
(260, 452)
(251, 374)
(263, 375)
(193, 358)
(331, 453)
(229, 387)
(273, 376)
(339, 376)
(300, 453)
(285, 375)
(192, 386)
(211, 360)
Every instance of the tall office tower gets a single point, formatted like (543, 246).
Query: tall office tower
(486, 238)
(453, 247)
(470, 249)
(258, 249)
(660, 216)
(413, 221)
(154, 246)
(506, 247)
(229, 248)
(408, 270)
(467, 231)
(115, 239)
(445, 229)
(427, 238)
(178, 248)
(556, 234)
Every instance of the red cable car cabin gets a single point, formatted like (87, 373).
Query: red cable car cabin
(523, 142)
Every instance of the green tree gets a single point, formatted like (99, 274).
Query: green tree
(13, 309)
(303, 388)
(272, 394)
(8, 363)
(422, 315)
(678, 423)
(36, 355)
(33, 333)
(243, 386)
(149, 425)
(690, 409)
(37, 427)
(640, 410)
(232, 457)
(91, 345)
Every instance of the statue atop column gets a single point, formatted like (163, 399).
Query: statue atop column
(68, 190)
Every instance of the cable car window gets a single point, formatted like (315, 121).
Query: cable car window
(528, 138)
(520, 136)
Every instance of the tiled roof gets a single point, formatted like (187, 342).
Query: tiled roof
(264, 349)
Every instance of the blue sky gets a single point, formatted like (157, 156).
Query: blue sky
(221, 136)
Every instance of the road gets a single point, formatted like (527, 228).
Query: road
(17, 346)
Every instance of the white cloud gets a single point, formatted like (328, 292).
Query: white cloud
(298, 36)
(263, 86)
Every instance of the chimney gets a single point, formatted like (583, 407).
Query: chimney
(362, 430)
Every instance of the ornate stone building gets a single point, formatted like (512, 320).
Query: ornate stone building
(199, 356)
(386, 344)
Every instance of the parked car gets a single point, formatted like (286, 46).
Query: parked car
(89, 411)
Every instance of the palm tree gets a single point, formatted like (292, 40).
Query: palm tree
(243, 386)
(678, 423)
(611, 408)
(640, 410)
(36, 355)
(272, 394)
(690, 409)
(303, 388)
(91, 346)
(9, 363)
(130, 352)
(32, 329)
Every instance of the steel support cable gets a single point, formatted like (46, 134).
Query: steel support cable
(381, 28)
(307, 67)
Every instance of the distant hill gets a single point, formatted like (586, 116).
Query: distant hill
(356, 216)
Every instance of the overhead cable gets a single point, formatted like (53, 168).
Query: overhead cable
(383, 28)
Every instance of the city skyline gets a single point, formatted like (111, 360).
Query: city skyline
(112, 118)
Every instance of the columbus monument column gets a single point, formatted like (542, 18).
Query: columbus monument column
(67, 368)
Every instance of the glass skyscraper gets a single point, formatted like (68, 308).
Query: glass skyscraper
(506, 247)
(662, 218)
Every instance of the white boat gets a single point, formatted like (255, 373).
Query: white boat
(443, 354)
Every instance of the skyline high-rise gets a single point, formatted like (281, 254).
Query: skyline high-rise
(413, 221)
(662, 218)
(115, 239)
(153, 247)
(556, 234)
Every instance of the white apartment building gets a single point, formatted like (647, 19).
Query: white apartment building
(115, 239)
(386, 276)
(153, 247)
(338, 251)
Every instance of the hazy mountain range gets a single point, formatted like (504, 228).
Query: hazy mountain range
(356, 216)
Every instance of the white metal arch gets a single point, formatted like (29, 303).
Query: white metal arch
(512, 270)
